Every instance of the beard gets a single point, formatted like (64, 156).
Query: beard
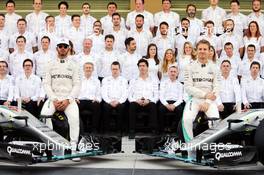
(191, 14)
(255, 10)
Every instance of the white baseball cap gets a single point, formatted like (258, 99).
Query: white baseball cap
(63, 41)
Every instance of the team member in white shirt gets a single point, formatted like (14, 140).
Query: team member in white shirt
(209, 35)
(163, 40)
(62, 86)
(153, 61)
(86, 19)
(256, 15)
(43, 56)
(97, 37)
(50, 31)
(244, 66)
(168, 16)
(114, 94)
(230, 36)
(119, 32)
(4, 36)
(107, 23)
(129, 59)
(139, 9)
(31, 45)
(89, 98)
(106, 57)
(253, 88)
(36, 19)
(11, 17)
(63, 20)
(215, 14)
(171, 98)
(196, 25)
(239, 19)
(88, 56)
(4, 55)
(76, 34)
(143, 95)
(6, 85)
(184, 35)
(202, 83)
(142, 36)
(229, 98)
(234, 60)
(18, 56)
(28, 88)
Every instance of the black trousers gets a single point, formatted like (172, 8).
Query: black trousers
(164, 112)
(117, 111)
(256, 105)
(32, 108)
(135, 109)
(90, 110)
(228, 110)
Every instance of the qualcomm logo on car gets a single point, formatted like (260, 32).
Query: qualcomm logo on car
(11, 150)
(219, 155)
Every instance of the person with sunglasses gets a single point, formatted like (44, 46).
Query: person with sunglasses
(62, 85)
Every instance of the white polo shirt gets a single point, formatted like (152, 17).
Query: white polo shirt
(106, 58)
(76, 35)
(107, 23)
(163, 44)
(90, 89)
(240, 21)
(87, 24)
(11, 22)
(148, 20)
(36, 22)
(4, 39)
(7, 88)
(62, 24)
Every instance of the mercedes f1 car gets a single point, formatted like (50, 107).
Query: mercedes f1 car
(26, 140)
(236, 140)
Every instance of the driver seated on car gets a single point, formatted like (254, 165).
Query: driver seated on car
(62, 84)
(202, 83)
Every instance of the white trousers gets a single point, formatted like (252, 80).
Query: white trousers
(72, 113)
(190, 112)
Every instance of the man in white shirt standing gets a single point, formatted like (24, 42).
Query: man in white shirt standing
(31, 45)
(129, 59)
(163, 41)
(171, 98)
(106, 21)
(17, 58)
(119, 32)
(11, 17)
(166, 15)
(28, 88)
(239, 19)
(252, 88)
(107, 57)
(97, 37)
(89, 98)
(86, 19)
(142, 36)
(76, 34)
(87, 55)
(43, 56)
(4, 36)
(229, 98)
(114, 94)
(196, 25)
(215, 14)
(143, 95)
(256, 15)
(36, 19)
(139, 9)
(63, 20)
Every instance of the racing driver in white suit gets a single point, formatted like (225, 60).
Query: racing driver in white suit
(202, 83)
(62, 84)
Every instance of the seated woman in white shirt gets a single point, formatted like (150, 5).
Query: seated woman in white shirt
(6, 85)
(153, 60)
(28, 89)
(168, 59)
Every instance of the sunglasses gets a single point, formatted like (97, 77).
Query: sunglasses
(63, 46)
